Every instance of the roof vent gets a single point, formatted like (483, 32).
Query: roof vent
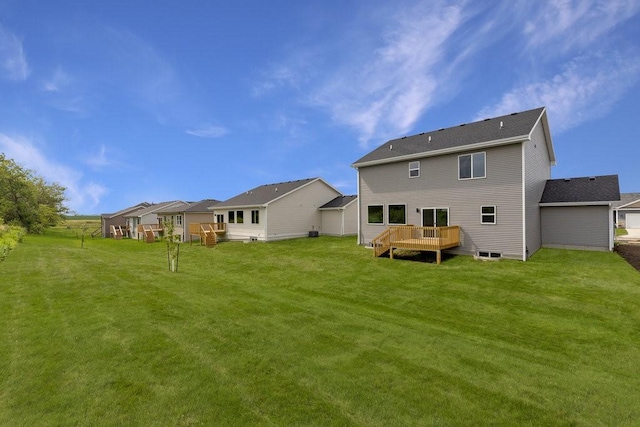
(440, 129)
(567, 180)
(463, 124)
(513, 114)
(429, 138)
(390, 147)
(486, 120)
(592, 178)
(276, 189)
(501, 124)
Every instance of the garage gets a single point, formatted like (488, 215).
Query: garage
(632, 220)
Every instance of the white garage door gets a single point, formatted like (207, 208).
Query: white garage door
(632, 220)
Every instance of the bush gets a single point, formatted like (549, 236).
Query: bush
(10, 236)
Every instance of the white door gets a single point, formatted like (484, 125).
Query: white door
(632, 220)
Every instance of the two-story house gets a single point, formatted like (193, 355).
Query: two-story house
(485, 178)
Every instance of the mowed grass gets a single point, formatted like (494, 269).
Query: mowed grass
(313, 332)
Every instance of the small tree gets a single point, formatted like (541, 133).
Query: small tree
(173, 246)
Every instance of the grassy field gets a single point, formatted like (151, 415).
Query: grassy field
(313, 332)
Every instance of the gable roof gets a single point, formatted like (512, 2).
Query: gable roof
(176, 207)
(584, 190)
(153, 208)
(507, 129)
(137, 207)
(202, 206)
(339, 202)
(628, 200)
(265, 194)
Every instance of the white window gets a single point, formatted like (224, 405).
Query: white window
(488, 214)
(414, 169)
(232, 217)
(397, 214)
(255, 217)
(472, 166)
(178, 219)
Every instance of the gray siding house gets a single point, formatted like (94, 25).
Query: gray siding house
(276, 211)
(577, 213)
(486, 177)
(147, 216)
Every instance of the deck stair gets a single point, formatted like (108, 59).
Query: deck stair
(433, 239)
(208, 235)
(149, 234)
(116, 232)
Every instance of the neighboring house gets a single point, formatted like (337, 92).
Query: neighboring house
(577, 213)
(198, 213)
(147, 216)
(174, 214)
(276, 211)
(485, 179)
(627, 211)
(118, 219)
(340, 216)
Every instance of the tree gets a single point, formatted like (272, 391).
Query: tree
(27, 199)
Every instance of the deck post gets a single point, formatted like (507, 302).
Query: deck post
(390, 252)
(438, 257)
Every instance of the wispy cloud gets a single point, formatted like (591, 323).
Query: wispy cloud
(13, 61)
(573, 24)
(58, 81)
(82, 196)
(587, 88)
(208, 131)
(385, 94)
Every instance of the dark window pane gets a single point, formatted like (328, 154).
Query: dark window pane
(374, 214)
(465, 166)
(397, 214)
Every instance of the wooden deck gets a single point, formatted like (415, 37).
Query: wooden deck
(433, 239)
(207, 232)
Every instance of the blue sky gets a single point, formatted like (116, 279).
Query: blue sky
(123, 102)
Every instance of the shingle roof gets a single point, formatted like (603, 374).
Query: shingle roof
(202, 206)
(338, 202)
(264, 194)
(130, 209)
(509, 128)
(603, 188)
(153, 208)
(174, 208)
(627, 198)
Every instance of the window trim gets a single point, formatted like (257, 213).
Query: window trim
(381, 206)
(389, 214)
(255, 216)
(179, 220)
(493, 214)
(239, 217)
(471, 155)
(414, 169)
(232, 217)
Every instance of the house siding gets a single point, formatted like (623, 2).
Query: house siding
(340, 222)
(579, 227)
(297, 213)
(246, 230)
(438, 186)
(537, 172)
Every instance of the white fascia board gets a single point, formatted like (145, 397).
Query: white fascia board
(557, 204)
(460, 149)
(630, 203)
(228, 208)
(547, 135)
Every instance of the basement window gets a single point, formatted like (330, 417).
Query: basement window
(488, 214)
(488, 255)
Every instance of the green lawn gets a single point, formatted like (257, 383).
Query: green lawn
(313, 332)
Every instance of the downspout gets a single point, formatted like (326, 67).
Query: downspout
(524, 205)
(612, 229)
(266, 224)
(359, 239)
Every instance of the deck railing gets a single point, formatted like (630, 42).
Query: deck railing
(416, 238)
(218, 227)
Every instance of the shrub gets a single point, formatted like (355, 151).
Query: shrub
(10, 236)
